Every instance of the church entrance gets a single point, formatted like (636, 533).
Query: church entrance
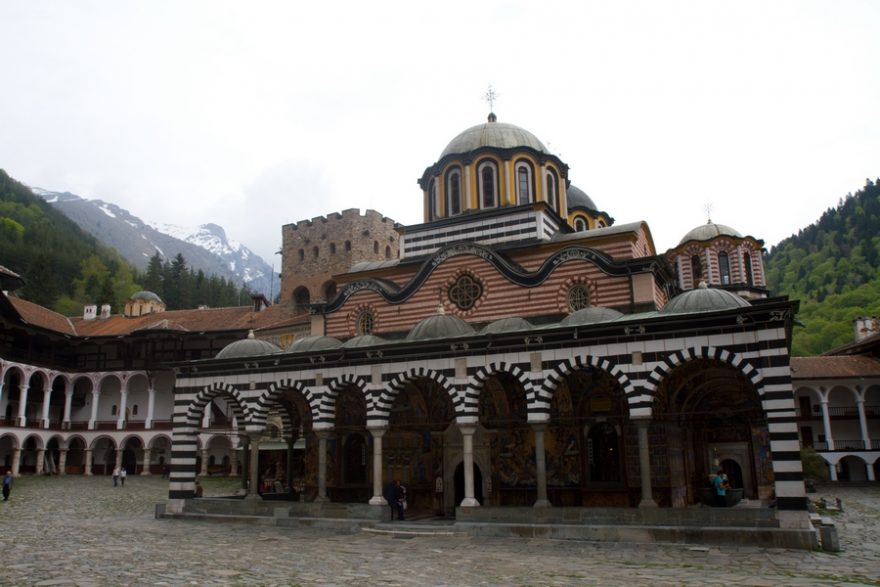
(459, 483)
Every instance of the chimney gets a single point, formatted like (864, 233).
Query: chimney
(105, 311)
(90, 312)
(866, 326)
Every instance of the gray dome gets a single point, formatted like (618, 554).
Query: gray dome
(709, 231)
(493, 134)
(512, 324)
(314, 343)
(578, 198)
(590, 316)
(703, 299)
(248, 347)
(363, 340)
(146, 295)
(439, 326)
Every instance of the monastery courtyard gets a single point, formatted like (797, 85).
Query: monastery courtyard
(83, 531)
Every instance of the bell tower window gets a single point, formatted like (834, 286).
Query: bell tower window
(551, 196)
(696, 270)
(433, 204)
(724, 267)
(523, 183)
(453, 192)
(580, 224)
(747, 262)
(488, 185)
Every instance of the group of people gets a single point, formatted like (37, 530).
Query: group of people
(395, 495)
(119, 475)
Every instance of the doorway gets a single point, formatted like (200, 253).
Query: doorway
(459, 483)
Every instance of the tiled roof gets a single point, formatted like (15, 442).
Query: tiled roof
(37, 315)
(834, 367)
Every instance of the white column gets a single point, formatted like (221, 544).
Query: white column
(41, 458)
(123, 405)
(16, 461)
(206, 417)
(645, 465)
(863, 425)
(88, 470)
(62, 461)
(68, 403)
(826, 422)
(93, 419)
(467, 435)
(148, 456)
(832, 472)
(47, 396)
(204, 471)
(322, 465)
(119, 452)
(541, 465)
(22, 405)
(378, 498)
(151, 406)
(254, 469)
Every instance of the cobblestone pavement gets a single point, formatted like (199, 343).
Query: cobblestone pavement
(83, 531)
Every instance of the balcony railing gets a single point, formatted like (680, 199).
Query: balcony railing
(847, 444)
(840, 412)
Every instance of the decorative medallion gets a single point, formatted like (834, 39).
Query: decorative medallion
(465, 292)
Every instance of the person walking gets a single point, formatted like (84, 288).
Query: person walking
(7, 485)
(721, 487)
(122, 474)
(115, 476)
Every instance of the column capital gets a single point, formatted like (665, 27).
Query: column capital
(377, 432)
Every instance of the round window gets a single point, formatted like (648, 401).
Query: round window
(465, 292)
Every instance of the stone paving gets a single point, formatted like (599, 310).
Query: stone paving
(83, 531)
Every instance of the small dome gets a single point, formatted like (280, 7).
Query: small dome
(709, 231)
(493, 134)
(439, 326)
(703, 299)
(146, 295)
(578, 198)
(248, 347)
(314, 343)
(363, 340)
(512, 324)
(590, 316)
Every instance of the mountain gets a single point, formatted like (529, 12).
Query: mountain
(833, 268)
(205, 247)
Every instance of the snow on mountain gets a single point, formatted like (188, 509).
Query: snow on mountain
(204, 247)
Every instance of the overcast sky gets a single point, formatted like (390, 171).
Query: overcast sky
(257, 114)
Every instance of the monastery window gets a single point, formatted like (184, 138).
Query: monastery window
(433, 201)
(301, 298)
(387, 251)
(302, 254)
(724, 267)
(465, 292)
(747, 263)
(578, 297)
(453, 192)
(315, 252)
(696, 270)
(347, 246)
(114, 410)
(332, 248)
(524, 183)
(488, 175)
(376, 247)
(365, 323)
(580, 223)
(552, 196)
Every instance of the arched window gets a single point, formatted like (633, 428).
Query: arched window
(747, 263)
(578, 297)
(376, 247)
(315, 252)
(365, 323)
(524, 183)
(433, 201)
(332, 248)
(488, 175)
(696, 270)
(580, 223)
(453, 192)
(301, 298)
(302, 254)
(387, 252)
(347, 246)
(552, 196)
(724, 268)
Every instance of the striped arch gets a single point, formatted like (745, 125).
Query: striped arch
(380, 408)
(273, 392)
(334, 386)
(562, 369)
(471, 397)
(678, 358)
(196, 409)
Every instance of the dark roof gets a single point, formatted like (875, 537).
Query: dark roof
(838, 367)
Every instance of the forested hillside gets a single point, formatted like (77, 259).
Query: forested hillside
(65, 268)
(832, 267)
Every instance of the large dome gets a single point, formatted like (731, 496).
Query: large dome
(709, 231)
(493, 134)
(314, 343)
(704, 299)
(248, 347)
(578, 198)
(439, 326)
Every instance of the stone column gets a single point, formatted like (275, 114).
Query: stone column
(93, 419)
(467, 434)
(322, 465)
(41, 460)
(123, 405)
(62, 461)
(22, 406)
(863, 426)
(254, 472)
(541, 465)
(832, 472)
(233, 461)
(826, 422)
(288, 468)
(88, 470)
(119, 452)
(16, 461)
(151, 406)
(378, 498)
(68, 402)
(645, 465)
(47, 396)
(148, 456)
(204, 471)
